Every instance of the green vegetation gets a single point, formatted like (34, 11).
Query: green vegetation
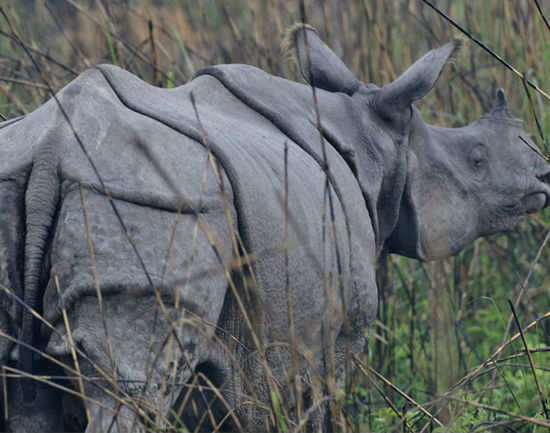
(441, 325)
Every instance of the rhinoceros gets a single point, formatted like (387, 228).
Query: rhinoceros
(162, 243)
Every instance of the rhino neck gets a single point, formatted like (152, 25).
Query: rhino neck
(381, 157)
(436, 217)
(375, 156)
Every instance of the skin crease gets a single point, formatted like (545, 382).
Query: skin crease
(399, 185)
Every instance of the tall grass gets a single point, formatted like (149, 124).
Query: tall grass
(439, 338)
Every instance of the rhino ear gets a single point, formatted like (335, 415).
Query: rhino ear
(416, 81)
(321, 67)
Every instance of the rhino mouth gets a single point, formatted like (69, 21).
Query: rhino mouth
(542, 198)
(535, 202)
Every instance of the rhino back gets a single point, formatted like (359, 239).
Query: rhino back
(165, 188)
(250, 142)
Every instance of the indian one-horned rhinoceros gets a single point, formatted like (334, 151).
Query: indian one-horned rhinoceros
(172, 243)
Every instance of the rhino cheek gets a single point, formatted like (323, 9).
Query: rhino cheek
(442, 234)
(446, 220)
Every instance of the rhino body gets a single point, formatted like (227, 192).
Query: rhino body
(177, 232)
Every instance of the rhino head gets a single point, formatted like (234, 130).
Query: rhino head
(438, 188)
(467, 182)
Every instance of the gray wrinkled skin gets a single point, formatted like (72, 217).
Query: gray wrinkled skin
(194, 197)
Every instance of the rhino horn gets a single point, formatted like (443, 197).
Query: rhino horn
(501, 100)
(501, 108)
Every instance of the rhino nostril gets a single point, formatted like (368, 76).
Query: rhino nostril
(544, 178)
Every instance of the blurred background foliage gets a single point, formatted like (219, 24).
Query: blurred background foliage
(437, 321)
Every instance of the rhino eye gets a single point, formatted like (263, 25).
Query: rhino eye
(479, 162)
(478, 157)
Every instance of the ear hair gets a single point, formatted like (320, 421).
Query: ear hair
(459, 41)
(289, 42)
(318, 64)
